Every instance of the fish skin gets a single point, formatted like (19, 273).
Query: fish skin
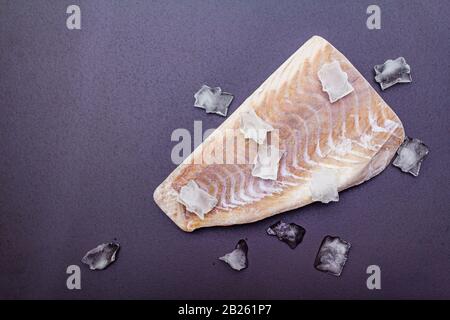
(292, 100)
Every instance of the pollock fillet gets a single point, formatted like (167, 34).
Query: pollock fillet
(357, 136)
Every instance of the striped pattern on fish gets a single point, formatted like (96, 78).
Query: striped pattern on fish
(357, 136)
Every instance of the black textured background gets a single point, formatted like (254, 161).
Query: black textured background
(85, 125)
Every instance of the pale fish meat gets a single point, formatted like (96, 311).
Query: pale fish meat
(333, 123)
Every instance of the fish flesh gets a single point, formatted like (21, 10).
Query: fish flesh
(343, 128)
(327, 118)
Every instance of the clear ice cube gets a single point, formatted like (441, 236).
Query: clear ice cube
(324, 186)
(332, 255)
(334, 81)
(290, 233)
(213, 100)
(101, 256)
(237, 259)
(410, 156)
(266, 162)
(392, 72)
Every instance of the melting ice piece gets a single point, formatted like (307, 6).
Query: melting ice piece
(332, 255)
(266, 162)
(323, 186)
(196, 200)
(334, 81)
(253, 127)
(410, 156)
(213, 100)
(101, 256)
(237, 259)
(290, 233)
(392, 72)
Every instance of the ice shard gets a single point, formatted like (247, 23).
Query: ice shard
(213, 100)
(392, 72)
(290, 233)
(237, 259)
(332, 255)
(101, 256)
(410, 156)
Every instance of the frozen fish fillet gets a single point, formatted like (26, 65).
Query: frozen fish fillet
(356, 136)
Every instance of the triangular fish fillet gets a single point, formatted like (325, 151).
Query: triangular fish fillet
(314, 134)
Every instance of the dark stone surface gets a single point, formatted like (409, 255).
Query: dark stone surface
(85, 125)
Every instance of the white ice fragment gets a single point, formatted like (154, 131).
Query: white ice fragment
(213, 100)
(334, 81)
(237, 259)
(266, 162)
(410, 156)
(101, 256)
(332, 255)
(253, 127)
(392, 72)
(290, 233)
(323, 186)
(196, 200)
